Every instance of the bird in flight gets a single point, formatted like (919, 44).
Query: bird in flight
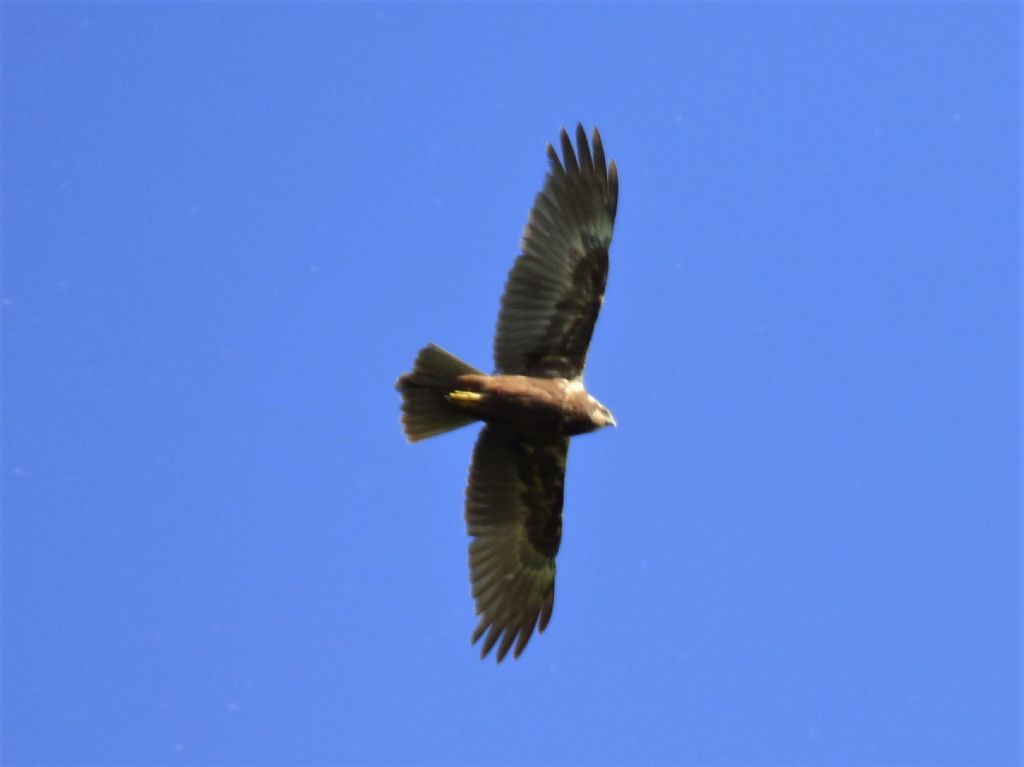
(535, 400)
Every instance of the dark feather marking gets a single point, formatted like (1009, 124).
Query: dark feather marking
(568, 155)
(492, 637)
(546, 609)
(572, 325)
(542, 475)
(586, 163)
(525, 632)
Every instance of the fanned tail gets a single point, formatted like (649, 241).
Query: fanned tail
(426, 410)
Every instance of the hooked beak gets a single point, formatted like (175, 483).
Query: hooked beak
(611, 420)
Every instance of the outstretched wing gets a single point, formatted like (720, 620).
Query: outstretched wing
(556, 286)
(514, 513)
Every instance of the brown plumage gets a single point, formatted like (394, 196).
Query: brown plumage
(534, 402)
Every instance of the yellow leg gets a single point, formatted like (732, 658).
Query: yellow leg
(466, 398)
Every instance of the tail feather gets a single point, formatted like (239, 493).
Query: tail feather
(426, 410)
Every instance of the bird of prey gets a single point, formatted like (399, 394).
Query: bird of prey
(535, 400)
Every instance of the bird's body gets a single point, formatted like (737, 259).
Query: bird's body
(529, 405)
(535, 401)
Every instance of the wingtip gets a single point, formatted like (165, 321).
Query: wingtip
(568, 154)
(556, 163)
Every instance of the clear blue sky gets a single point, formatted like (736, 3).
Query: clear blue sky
(228, 228)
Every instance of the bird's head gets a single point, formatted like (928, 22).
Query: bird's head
(600, 415)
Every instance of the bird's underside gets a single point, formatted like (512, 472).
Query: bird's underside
(534, 402)
(531, 407)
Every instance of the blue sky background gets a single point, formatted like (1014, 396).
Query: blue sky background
(228, 228)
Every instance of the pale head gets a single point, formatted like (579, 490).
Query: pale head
(599, 414)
